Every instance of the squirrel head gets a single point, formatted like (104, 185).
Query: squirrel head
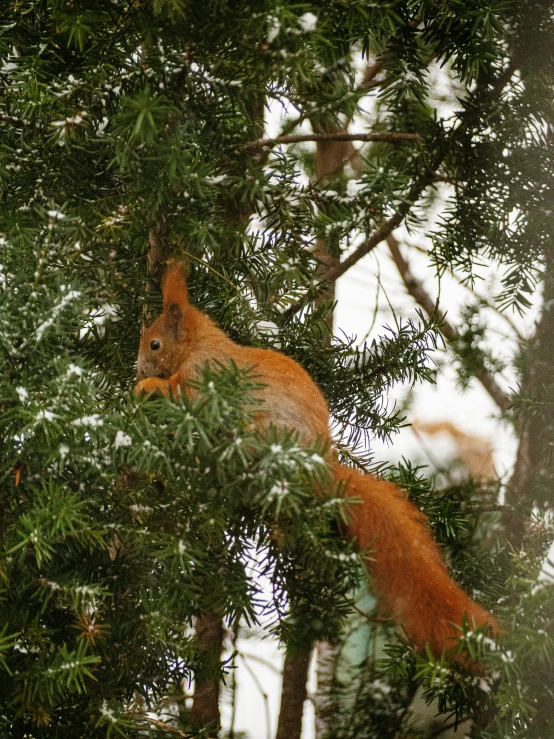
(163, 343)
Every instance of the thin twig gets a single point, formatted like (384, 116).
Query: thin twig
(376, 306)
(387, 137)
(166, 728)
(234, 682)
(427, 450)
(265, 662)
(450, 333)
(372, 619)
(14, 120)
(371, 72)
(492, 508)
(209, 267)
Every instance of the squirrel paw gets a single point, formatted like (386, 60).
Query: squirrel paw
(153, 385)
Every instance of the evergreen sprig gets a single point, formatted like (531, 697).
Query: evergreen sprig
(126, 138)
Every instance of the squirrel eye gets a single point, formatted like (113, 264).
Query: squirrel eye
(154, 345)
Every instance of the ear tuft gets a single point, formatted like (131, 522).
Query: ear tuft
(174, 288)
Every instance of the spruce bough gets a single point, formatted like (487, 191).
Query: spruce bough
(130, 128)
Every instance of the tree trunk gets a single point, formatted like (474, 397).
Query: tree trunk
(205, 704)
(327, 656)
(294, 693)
(330, 158)
(532, 475)
(209, 627)
(329, 163)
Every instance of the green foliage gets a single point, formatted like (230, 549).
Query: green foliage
(126, 128)
(472, 356)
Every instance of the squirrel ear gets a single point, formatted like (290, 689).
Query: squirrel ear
(174, 287)
(173, 317)
(174, 312)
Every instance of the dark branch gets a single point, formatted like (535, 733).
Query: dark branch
(14, 120)
(386, 137)
(450, 333)
(371, 72)
(381, 232)
(166, 728)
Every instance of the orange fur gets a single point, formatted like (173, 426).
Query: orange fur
(407, 570)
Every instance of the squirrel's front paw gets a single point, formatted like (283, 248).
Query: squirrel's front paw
(152, 385)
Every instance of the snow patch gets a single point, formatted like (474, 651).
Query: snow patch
(93, 420)
(22, 393)
(122, 439)
(307, 22)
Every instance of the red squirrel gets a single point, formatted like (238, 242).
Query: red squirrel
(407, 570)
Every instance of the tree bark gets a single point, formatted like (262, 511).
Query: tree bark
(536, 421)
(205, 702)
(294, 693)
(386, 137)
(330, 157)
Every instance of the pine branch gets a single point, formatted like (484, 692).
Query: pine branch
(380, 233)
(481, 298)
(14, 120)
(388, 137)
(368, 82)
(372, 70)
(265, 696)
(427, 178)
(450, 333)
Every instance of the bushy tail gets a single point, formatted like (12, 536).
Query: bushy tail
(408, 573)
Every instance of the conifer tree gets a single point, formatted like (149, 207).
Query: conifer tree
(132, 132)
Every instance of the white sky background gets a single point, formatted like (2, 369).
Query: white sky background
(362, 297)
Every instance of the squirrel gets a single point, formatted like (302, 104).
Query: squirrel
(408, 574)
